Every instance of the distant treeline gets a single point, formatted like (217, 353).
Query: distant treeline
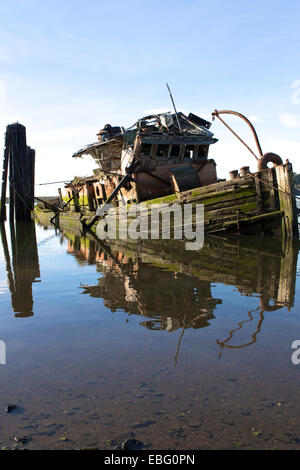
(296, 181)
(296, 177)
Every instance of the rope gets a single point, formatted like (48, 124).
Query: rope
(54, 182)
(279, 188)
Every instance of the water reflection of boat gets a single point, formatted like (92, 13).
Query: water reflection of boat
(226, 342)
(172, 287)
(169, 287)
(22, 266)
(138, 287)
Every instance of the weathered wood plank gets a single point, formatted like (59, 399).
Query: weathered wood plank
(287, 201)
(4, 184)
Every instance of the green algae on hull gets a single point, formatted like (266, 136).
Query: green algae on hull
(249, 204)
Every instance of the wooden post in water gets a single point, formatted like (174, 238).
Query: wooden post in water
(4, 182)
(287, 201)
(11, 194)
(20, 161)
(31, 177)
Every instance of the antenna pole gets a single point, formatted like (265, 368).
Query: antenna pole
(174, 107)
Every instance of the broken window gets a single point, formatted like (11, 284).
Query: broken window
(162, 150)
(202, 151)
(146, 149)
(175, 151)
(189, 151)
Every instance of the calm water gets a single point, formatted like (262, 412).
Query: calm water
(180, 350)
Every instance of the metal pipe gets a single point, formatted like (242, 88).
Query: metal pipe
(216, 113)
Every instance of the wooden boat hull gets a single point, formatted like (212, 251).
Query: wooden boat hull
(257, 203)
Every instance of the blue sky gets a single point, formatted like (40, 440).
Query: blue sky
(69, 67)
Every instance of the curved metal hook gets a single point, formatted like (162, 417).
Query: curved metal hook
(216, 113)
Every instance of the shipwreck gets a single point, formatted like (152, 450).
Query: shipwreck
(164, 158)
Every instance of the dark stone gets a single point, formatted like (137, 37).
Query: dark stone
(132, 444)
(10, 408)
(21, 440)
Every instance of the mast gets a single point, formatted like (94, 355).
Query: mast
(174, 107)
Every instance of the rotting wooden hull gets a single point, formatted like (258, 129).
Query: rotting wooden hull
(258, 203)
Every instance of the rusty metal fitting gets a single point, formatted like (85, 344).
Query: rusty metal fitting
(267, 158)
(234, 174)
(244, 170)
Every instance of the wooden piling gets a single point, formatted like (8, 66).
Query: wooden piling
(287, 201)
(19, 160)
(4, 183)
(11, 192)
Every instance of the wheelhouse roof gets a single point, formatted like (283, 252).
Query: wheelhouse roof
(161, 128)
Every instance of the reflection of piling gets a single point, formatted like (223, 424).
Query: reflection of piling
(10, 277)
(24, 268)
(19, 161)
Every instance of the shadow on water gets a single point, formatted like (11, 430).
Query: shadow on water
(172, 288)
(22, 265)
